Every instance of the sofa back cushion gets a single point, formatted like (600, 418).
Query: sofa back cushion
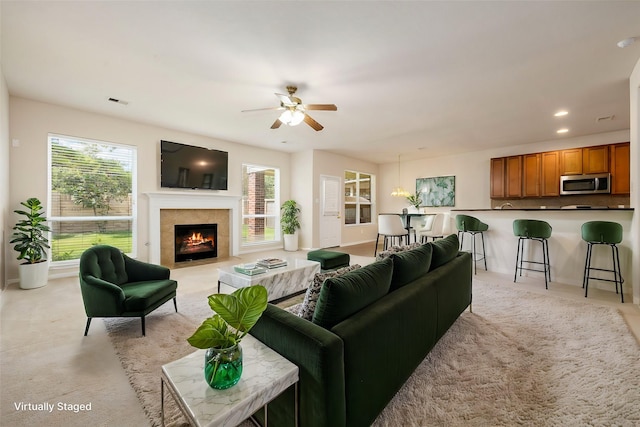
(310, 301)
(444, 250)
(409, 265)
(342, 296)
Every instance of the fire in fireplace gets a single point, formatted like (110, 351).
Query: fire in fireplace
(195, 241)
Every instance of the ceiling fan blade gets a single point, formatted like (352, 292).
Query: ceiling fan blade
(276, 124)
(262, 109)
(308, 120)
(325, 107)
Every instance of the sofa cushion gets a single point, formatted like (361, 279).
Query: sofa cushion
(308, 305)
(342, 296)
(409, 265)
(444, 250)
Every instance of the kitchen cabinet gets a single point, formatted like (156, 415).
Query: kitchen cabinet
(497, 178)
(550, 179)
(620, 156)
(571, 161)
(513, 177)
(531, 174)
(595, 159)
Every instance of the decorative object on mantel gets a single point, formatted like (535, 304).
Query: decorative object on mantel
(437, 191)
(221, 334)
(290, 222)
(31, 242)
(399, 191)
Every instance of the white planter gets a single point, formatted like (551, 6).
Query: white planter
(33, 275)
(291, 242)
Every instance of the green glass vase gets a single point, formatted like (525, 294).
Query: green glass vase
(223, 366)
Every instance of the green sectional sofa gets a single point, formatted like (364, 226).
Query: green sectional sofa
(371, 328)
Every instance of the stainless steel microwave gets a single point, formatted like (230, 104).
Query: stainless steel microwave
(585, 184)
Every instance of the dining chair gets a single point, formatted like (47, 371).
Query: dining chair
(391, 226)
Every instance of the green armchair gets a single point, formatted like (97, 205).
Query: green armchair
(114, 285)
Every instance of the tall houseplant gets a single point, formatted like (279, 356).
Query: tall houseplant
(289, 219)
(221, 333)
(31, 242)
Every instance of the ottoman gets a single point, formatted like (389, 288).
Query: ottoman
(329, 260)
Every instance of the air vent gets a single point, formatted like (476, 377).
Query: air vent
(119, 101)
(604, 118)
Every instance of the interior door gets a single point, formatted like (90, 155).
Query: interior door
(330, 208)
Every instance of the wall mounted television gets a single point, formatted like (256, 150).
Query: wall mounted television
(187, 166)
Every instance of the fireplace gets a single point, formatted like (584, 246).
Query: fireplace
(195, 241)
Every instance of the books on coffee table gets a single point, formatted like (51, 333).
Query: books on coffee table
(271, 262)
(249, 269)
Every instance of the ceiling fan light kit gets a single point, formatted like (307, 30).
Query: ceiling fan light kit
(295, 112)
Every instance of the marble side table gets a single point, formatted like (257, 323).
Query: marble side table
(265, 375)
(280, 282)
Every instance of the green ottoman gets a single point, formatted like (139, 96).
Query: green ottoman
(329, 260)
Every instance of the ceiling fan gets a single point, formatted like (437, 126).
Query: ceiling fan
(295, 111)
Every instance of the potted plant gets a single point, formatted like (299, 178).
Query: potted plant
(289, 219)
(221, 333)
(31, 242)
(415, 200)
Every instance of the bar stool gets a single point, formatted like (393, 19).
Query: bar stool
(390, 226)
(602, 233)
(531, 229)
(473, 226)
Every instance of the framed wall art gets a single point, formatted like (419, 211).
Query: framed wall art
(437, 191)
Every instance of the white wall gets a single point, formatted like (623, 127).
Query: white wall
(5, 226)
(634, 91)
(301, 183)
(31, 121)
(325, 163)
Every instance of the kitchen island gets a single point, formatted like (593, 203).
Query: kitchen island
(567, 250)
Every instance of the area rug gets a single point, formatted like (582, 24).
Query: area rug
(519, 359)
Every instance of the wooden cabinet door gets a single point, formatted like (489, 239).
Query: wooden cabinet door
(571, 162)
(595, 159)
(513, 177)
(620, 168)
(550, 180)
(531, 175)
(497, 178)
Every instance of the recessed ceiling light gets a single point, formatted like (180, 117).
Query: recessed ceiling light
(119, 101)
(561, 113)
(563, 130)
(627, 42)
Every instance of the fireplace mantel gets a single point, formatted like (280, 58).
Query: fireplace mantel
(190, 200)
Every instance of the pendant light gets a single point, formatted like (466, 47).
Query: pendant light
(399, 191)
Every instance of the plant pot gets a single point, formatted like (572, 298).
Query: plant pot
(34, 275)
(223, 366)
(291, 242)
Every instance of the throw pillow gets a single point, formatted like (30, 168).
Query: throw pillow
(311, 296)
(342, 296)
(444, 250)
(409, 265)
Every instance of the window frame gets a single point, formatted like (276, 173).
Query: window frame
(277, 237)
(134, 191)
(357, 201)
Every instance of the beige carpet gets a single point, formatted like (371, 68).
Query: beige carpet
(519, 359)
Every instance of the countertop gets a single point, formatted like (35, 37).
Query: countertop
(544, 209)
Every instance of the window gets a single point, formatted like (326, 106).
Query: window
(260, 204)
(357, 197)
(91, 189)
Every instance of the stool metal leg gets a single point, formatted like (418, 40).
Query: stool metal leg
(546, 246)
(515, 274)
(545, 262)
(475, 260)
(587, 269)
(484, 252)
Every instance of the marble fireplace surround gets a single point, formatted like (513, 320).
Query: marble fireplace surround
(184, 208)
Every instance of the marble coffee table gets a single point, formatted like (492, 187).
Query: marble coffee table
(280, 282)
(265, 375)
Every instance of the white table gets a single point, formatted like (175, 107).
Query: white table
(265, 375)
(280, 282)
